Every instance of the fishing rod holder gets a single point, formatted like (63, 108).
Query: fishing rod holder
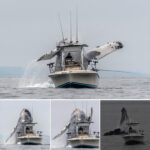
(39, 133)
(93, 64)
(51, 67)
(96, 134)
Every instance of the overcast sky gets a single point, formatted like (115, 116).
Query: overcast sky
(10, 112)
(61, 112)
(30, 28)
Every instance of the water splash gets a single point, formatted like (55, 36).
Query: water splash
(40, 85)
(1, 139)
(11, 141)
(35, 76)
(58, 143)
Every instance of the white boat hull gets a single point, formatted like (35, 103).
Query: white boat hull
(29, 140)
(133, 139)
(75, 78)
(84, 142)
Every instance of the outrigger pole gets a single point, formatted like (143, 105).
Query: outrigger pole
(77, 25)
(61, 29)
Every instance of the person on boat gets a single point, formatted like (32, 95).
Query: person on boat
(80, 130)
(131, 130)
(68, 59)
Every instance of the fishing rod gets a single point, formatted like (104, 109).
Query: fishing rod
(106, 70)
(113, 70)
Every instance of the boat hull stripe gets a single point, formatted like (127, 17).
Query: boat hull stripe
(76, 84)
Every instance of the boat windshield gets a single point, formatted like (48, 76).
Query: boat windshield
(72, 57)
(131, 130)
(83, 130)
(70, 61)
(29, 129)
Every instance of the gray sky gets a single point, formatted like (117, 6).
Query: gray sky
(10, 112)
(61, 112)
(30, 28)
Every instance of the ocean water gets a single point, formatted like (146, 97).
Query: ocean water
(120, 88)
(110, 117)
(24, 147)
(73, 149)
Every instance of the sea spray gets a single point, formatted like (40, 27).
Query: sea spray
(35, 75)
(11, 140)
(1, 139)
(59, 143)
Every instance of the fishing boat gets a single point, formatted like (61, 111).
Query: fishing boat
(74, 65)
(24, 132)
(78, 131)
(134, 135)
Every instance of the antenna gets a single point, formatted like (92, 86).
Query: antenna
(70, 28)
(32, 111)
(61, 27)
(77, 25)
(86, 108)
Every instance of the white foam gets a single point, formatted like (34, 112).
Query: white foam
(59, 143)
(40, 85)
(35, 76)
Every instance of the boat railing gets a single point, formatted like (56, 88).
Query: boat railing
(39, 133)
(52, 68)
(93, 64)
(72, 65)
(96, 134)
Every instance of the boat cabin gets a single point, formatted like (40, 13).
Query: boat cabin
(26, 128)
(79, 124)
(83, 128)
(69, 57)
(133, 128)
